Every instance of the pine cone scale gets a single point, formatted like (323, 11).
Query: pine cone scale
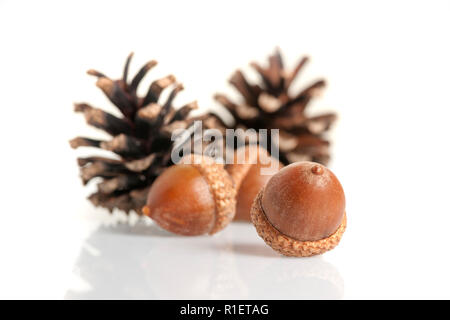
(140, 139)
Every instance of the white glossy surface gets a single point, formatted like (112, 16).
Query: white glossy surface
(387, 66)
(146, 262)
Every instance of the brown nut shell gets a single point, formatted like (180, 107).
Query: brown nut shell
(304, 201)
(194, 197)
(287, 245)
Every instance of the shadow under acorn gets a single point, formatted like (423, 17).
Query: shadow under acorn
(145, 262)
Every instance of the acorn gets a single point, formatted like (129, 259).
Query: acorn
(301, 210)
(251, 169)
(194, 197)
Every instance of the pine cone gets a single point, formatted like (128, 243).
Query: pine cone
(141, 138)
(269, 105)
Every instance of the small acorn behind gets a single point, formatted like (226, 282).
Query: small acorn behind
(251, 169)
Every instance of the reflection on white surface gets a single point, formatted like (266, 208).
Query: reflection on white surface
(145, 262)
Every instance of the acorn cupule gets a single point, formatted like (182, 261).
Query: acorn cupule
(289, 246)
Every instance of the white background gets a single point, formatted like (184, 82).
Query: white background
(387, 67)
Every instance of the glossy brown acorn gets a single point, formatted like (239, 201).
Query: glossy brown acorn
(251, 169)
(192, 197)
(301, 210)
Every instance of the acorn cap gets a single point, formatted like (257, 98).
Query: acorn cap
(287, 245)
(221, 186)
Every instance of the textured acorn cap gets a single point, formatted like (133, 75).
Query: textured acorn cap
(221, 186)
(287, 245)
